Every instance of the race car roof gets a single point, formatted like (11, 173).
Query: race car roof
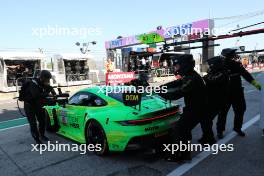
(22, 55)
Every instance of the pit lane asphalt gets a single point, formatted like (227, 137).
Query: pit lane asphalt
(16, 157)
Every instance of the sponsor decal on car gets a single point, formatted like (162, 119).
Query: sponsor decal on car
(151, 128)
(64, 119)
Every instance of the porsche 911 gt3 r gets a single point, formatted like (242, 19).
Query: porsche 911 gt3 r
(91, 116)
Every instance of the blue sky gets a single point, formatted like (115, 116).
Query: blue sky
(114, 18)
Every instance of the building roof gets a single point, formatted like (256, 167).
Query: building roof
(22, 55)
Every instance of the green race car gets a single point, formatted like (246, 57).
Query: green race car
(90, 116)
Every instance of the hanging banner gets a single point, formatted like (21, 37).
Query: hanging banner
(114, 78)
(192, 30)
(150, 38)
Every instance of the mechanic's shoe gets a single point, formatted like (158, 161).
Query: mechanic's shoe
(173, 158)
(38, 141)
(220, 135)
(201, 140)
(186, 156)
(240, 132)
(44, 138)
(209, 141)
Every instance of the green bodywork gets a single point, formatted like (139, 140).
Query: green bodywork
(74, 119)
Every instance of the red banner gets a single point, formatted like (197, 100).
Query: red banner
(114, 78)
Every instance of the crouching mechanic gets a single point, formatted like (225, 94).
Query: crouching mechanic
(35, 92)
(192, 87)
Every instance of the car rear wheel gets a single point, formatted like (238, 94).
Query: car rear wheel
(95, 135)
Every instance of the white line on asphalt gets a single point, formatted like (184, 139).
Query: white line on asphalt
(249, 91)
(13, 127)
(13, 120)
(203, 155)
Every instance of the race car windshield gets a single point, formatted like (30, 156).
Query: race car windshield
(119, 96)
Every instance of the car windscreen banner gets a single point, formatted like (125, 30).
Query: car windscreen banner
(115, 78)
(132, 99)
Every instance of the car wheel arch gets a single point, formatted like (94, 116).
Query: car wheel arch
(106, 148)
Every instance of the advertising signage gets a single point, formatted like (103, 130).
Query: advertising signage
(164, 33)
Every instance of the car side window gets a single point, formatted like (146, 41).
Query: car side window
(99, 101)
(86, 99)
(79, 98)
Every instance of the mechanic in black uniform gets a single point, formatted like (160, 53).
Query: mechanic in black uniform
(192, 87)
(217, 80)
(236, 92)
(35, 93)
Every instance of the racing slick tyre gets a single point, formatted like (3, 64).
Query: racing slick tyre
(95, 135)
(49, 127)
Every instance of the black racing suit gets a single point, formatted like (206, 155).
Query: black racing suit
(217, 92)
(235, 94)
(192, 87)
(33, 105)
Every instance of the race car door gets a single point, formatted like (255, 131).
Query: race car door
(76, 112)
(78, 108)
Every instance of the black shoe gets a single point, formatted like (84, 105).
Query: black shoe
(185, 156)
(220, 135)
(173, 157)
(38, 141)
(209, 141)
(201, 140)
(240, 132)
(44, 138)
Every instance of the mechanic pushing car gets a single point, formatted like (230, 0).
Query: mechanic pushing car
(236, 92)
(33, 93)
(192, 87)
(217, 80)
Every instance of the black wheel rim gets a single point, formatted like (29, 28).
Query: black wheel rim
(95, 135)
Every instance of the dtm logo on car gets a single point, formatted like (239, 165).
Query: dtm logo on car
(151, 128)
(132, 97)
